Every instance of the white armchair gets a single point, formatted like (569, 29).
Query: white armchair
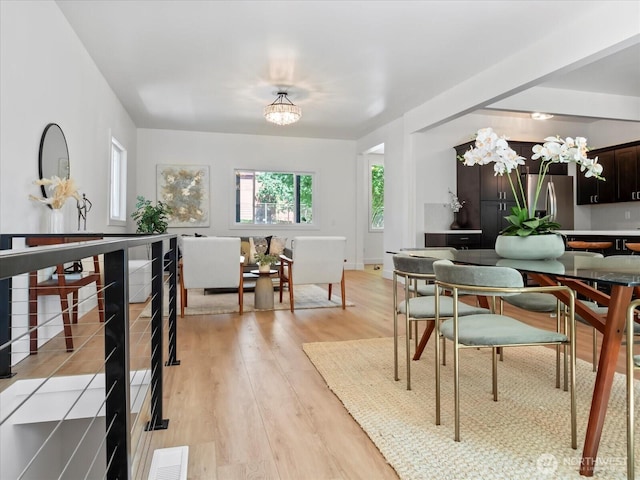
(314, 260)
(210, 262)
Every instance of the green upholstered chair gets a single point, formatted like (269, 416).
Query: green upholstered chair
(633, 363)
(548, 303)
(417, 308)
(427, 288)
(602, 310)
(494, 330)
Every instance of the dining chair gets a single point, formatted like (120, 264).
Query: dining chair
(548, 303)
(62, 284)
(601, 309)
(494, 330)
(633, 364)
(314, 259)
(418, 308)
(210, 262)
(427, 288)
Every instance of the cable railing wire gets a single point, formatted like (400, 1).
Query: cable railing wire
(86, 432)
(59, 424)
(142, 383)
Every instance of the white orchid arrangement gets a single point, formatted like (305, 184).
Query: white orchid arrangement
(62, 189)
(455, 203)
(489, 147)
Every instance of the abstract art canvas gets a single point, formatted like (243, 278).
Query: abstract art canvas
(185, 188)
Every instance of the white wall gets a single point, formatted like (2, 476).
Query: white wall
(333, 162)
(47, 76)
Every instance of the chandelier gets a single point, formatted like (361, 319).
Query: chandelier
(282, 111)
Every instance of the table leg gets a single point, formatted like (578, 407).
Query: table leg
(424, 340)
(264, 293)
(613, 333)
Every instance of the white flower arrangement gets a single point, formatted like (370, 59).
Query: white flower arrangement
(455, 203)
(489, 147)
(62, 188)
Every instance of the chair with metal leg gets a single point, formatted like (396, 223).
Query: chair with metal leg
(420, 308)
(548, 303)
(494, 330)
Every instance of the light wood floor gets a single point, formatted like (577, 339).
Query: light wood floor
(249, 403)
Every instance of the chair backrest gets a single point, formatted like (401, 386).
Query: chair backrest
(629, 262)
(211, 262)
(405, 264)
(318, 259)
(478, 276)
(432, 252)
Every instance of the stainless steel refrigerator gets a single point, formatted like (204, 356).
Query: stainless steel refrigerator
(556, 197)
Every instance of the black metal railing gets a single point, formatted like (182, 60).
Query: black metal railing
(116, 445)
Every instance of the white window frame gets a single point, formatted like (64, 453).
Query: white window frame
(315, 225)
(117, 183)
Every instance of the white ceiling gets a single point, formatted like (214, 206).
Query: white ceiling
(351, 65)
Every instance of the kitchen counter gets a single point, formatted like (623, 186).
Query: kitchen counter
(602, 233)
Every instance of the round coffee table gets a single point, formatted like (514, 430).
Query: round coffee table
(264, 289)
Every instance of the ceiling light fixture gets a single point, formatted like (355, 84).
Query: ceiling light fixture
(282, 111)
(541, 116)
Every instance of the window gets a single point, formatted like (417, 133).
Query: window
(273, 198)
(118, 184)
(376, 197)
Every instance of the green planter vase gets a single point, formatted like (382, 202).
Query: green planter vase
(534, 247)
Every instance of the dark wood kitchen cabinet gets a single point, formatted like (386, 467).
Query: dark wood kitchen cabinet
(620, 168)
(591, 190)
(461, 240)
(628, 174)
(492, 219)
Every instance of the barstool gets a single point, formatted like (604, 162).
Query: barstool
(589, 246)
(634, 247)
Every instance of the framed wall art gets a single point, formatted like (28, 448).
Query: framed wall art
(185, 189)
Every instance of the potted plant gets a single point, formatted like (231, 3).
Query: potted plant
(150, 218)
(489, 147)
(264, 261)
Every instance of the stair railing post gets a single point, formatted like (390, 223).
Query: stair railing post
(116, 351)
(156, 422)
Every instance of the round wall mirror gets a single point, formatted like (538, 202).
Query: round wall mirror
(54, 155)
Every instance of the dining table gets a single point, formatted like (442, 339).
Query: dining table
(617, 278)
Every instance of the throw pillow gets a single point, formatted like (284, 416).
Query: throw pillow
(277, 245)
(245, 250)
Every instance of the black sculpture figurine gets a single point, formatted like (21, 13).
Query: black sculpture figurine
(84, 206)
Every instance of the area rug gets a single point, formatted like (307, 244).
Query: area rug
(306, 296)
(525, 435)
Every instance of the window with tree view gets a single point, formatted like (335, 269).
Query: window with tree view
(376, 199)
(273, 198)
